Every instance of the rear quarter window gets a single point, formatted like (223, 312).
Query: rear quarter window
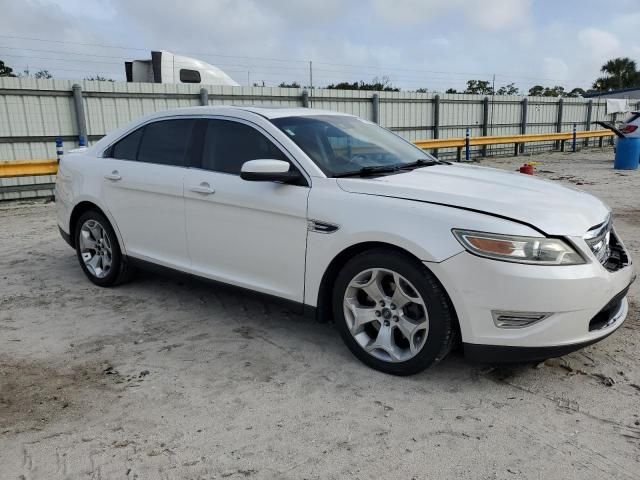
(127, 148)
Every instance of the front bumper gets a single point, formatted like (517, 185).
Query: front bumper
(575, 295)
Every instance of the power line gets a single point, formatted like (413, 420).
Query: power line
(375, 67)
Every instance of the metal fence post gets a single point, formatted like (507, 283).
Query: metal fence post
(204, 97)
(485, 122)
(80, 118)
(467, 145)
(575, 129)
(523, 121)
(613, 121)
(588, 120)
(59, 148)
(375, 101)
(305, 99)
(559, 121)
(436, 120)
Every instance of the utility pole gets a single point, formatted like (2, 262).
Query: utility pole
(493, 98)
(248, 78)
(310, 75)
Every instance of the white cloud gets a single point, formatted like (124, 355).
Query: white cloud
(440, 42)
(486, 14)
(499, 14)
(555, 68)
(599, 45)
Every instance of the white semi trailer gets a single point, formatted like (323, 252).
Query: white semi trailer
(165, 67)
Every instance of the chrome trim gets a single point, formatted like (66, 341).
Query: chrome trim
(510, 320)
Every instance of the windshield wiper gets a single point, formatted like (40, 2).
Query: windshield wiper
(378, 169)
(421, 162)
(369, 171)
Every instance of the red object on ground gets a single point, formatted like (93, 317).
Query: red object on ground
(526, 169)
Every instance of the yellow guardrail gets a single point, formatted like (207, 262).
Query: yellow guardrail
(21, 168)
(497, 140)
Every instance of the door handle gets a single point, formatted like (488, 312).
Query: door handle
(115, 176)
(203, 188)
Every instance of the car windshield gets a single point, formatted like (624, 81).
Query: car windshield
(341, 145)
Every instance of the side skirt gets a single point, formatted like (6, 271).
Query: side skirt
(298, 308)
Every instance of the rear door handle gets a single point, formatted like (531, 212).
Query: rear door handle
(115, 176)
(203, 188)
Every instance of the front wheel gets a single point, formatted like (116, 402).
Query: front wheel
(392, 313)
(98, 250)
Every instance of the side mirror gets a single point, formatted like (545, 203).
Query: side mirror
(269, 171)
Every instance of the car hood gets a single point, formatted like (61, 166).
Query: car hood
(548, 206)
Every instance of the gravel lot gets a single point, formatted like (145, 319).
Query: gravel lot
(173, 378)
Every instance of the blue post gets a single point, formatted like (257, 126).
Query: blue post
(467, 145)
(59, 151)
(574, 138)
(82, 141)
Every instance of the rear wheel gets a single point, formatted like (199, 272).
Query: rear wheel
(392, 312)
(98, 250)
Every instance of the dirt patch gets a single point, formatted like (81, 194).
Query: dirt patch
(34, 394)
(628, 215)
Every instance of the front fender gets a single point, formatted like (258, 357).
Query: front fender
(422, 229)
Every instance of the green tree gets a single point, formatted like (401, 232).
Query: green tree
(451, 90)
(556, 91)
(536, 91)
(576, 92)
(42, 74)
(6, 70)
(422, 90)
(479, 87)
(619, 72)
(509, 89)
(289, 85)
(378, 84)
(99, 78)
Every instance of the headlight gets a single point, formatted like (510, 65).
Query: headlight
(533, 250)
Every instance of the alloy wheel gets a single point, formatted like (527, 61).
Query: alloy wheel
(95, 248)
(386, 315)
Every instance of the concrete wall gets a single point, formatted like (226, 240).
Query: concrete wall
(34, 112)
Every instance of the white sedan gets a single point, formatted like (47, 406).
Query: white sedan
(334, 214)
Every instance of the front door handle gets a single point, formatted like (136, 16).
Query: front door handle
(203, 188)
(115, 176)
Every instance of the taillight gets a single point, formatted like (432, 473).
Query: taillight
(629, 128)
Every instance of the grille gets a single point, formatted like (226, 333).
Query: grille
(606, 246)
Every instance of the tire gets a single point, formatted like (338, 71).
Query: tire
(380, 337)
(99, 254)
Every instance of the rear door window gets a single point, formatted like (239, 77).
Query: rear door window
(166, 142)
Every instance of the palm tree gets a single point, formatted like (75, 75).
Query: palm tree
(621, 72)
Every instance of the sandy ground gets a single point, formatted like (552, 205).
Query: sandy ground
(169, 378)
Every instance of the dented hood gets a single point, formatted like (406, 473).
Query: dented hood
(548, 206)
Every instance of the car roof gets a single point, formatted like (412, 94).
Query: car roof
(267, 112)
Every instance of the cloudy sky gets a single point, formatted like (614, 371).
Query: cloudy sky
(433, 44)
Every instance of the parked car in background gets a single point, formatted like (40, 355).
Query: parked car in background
(332, 213)
(629, 126)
